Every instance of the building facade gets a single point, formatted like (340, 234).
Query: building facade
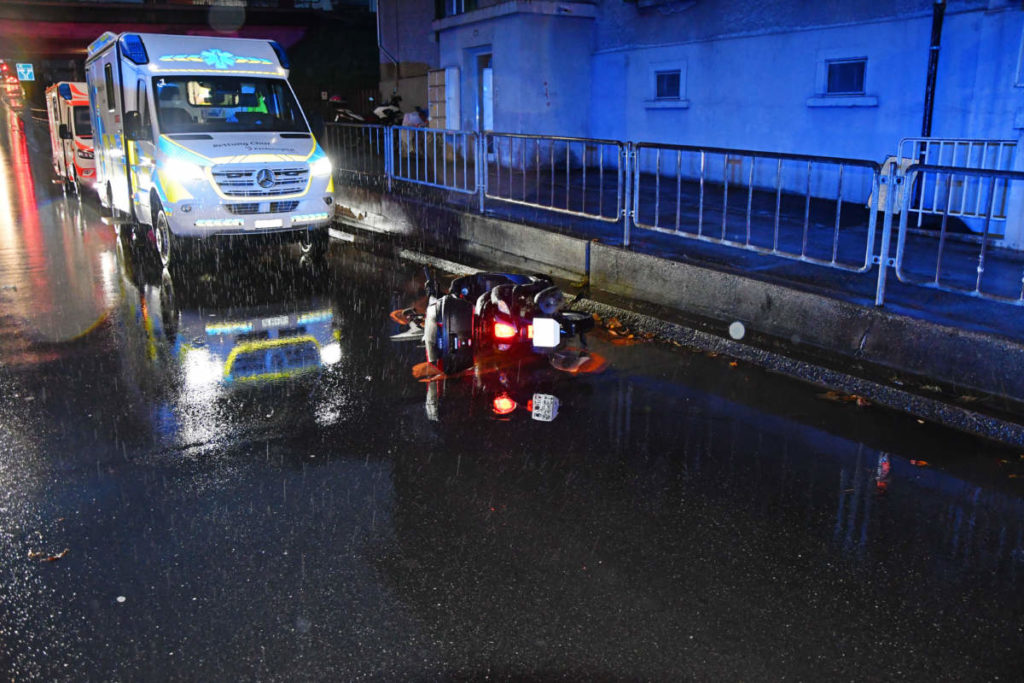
(841, 78)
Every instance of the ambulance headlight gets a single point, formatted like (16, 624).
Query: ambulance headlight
(184, 170)
(330, 353)
(321, 167)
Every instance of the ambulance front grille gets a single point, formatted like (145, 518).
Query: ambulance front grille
(260, 181)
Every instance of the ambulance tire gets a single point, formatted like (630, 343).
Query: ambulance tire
(167, 249)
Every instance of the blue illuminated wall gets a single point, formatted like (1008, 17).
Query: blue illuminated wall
(753, 73)
(541, 64)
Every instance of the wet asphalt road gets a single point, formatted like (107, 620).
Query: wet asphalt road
(327, 515)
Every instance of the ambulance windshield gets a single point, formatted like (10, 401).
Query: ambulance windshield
(211, 104)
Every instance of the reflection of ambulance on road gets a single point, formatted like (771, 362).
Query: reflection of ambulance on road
(67, 105)
(198, 137)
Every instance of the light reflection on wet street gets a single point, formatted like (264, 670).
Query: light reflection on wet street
(250, 482)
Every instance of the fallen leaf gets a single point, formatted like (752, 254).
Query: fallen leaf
(58, 556)
(919, 463)
(931, 387)
(968, 399)
(837, 397)
(43, 557)
(920, 422)
(612, 323)
(862, 402)
(1014, 476)
(733, 364)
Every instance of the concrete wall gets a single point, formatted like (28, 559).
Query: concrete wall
(541, 63)
(405, 34)
(754, 74)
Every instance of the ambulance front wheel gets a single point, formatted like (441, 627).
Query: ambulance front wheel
(166, 242)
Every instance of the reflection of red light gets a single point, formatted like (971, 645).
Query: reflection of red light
(503, 404)
(504, 331)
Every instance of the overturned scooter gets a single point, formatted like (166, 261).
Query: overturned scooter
(503, 312)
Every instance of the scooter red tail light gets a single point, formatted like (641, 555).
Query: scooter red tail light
(504, 330)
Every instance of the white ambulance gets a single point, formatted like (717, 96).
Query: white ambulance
(199, 137)
(67, 106)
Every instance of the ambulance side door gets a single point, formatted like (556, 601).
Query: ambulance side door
(142, 152)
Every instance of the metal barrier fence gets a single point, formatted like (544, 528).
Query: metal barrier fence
(576, 176)
(778, 204)
(966, 196)
(819, 210)
(435, 157)
(980, 267)
(358, 149)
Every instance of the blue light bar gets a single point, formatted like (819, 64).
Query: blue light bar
(133, 49)
(281, 56)
(64, 90)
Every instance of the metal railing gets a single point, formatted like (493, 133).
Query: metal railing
(979, 268)
(445, 159)
(358, 149)
(966, 196)
(576, 176)
(769, 203)
(819, 210)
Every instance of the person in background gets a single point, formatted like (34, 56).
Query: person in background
(417, 117)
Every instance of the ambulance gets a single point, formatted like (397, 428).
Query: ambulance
(67, 106)
(201, 137)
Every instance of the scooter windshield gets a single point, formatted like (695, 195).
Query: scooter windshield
(226, 104)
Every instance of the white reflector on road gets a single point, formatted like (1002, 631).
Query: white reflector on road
(546, 332)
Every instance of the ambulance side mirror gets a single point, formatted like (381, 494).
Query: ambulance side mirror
(63, 133)
(133, 126)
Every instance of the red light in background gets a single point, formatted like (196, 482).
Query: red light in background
(503, 404)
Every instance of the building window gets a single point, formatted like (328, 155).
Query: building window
(451, 8)
(845, 77)
(666, 85)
